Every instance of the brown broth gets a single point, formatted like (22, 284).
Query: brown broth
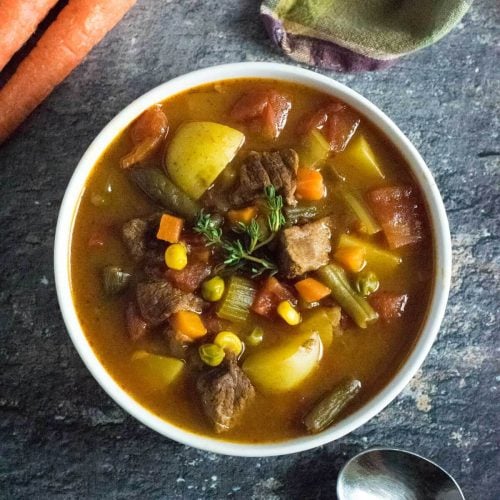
(372, 355)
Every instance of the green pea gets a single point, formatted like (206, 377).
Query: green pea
(367, 283)
(211, 354)
(256, 337)
(213, 289)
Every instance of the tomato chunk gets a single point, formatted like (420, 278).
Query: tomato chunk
(269, 296)
(337, 122)
(189, 278)
(398, 210)
(389, 305)
(136, 326)
(267, 110)
(152, 123)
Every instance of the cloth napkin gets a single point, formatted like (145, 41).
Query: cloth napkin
(358, 35)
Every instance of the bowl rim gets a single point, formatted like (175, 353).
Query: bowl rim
(420, 171)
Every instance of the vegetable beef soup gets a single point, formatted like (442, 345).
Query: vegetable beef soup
(252, 260)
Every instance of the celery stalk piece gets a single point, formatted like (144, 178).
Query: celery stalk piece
(236, 302)
(361, 211)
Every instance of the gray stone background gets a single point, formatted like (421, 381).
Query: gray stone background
(62, 437)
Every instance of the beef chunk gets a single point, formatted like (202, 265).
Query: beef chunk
(139, 236)
(158, 300)
(224, 392)
(305, 248)
(189, 278)
(263, 169)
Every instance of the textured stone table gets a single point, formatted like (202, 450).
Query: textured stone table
(62, 437)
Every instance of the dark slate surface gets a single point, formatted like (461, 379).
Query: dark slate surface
(62, 437)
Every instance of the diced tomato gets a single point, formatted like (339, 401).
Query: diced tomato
(340, 128)
(270, 295)
(399, 212)
(197, 248)
(267, 109)
(152, 123)
(97, 238)
(189, 278)
(337, 122)
(389, 305)
(136, 326)
(318, 118)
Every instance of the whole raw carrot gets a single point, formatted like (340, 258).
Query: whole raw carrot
(18, 20)
(80, 26)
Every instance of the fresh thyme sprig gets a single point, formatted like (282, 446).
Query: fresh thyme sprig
(237, 252)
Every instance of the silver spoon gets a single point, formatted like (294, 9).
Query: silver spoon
(391, 474)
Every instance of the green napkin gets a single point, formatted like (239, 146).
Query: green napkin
(358, 34)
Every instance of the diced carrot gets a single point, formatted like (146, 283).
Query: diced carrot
(80, 26)
(269, 296)
(351, 257)
(389, 305)
(399, 212)
(18, 21)
(188, 323)
(170, 228)
(267, 109)
(244, 215)
(312, 290)
(310, 185)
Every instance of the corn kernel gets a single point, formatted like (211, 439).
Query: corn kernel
(229, 341)
(176, 256)
(289, 313)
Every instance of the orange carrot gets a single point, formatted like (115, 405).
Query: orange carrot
(189, 324)
(310, 186)
(18, 20)
(80, 26)
(170, 228)
(352, 258)
(312, 290)
(244, 215)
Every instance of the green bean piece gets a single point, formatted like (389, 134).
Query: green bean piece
(164, 192)
(114, 280)
(356, 306)
(256, 337)
(237, 300)
(211, 354)
(300, 214)
(328, 408)
(367, 283)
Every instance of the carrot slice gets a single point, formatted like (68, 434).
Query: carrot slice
(310, 185)
(244, 215)
(351, 257)
(189, 324)
(18, 21)
(80, 26)
(170, 228)
(312, 290)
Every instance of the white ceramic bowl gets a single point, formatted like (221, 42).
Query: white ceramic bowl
(440, 230)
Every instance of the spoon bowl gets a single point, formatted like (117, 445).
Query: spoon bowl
(392, 474)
